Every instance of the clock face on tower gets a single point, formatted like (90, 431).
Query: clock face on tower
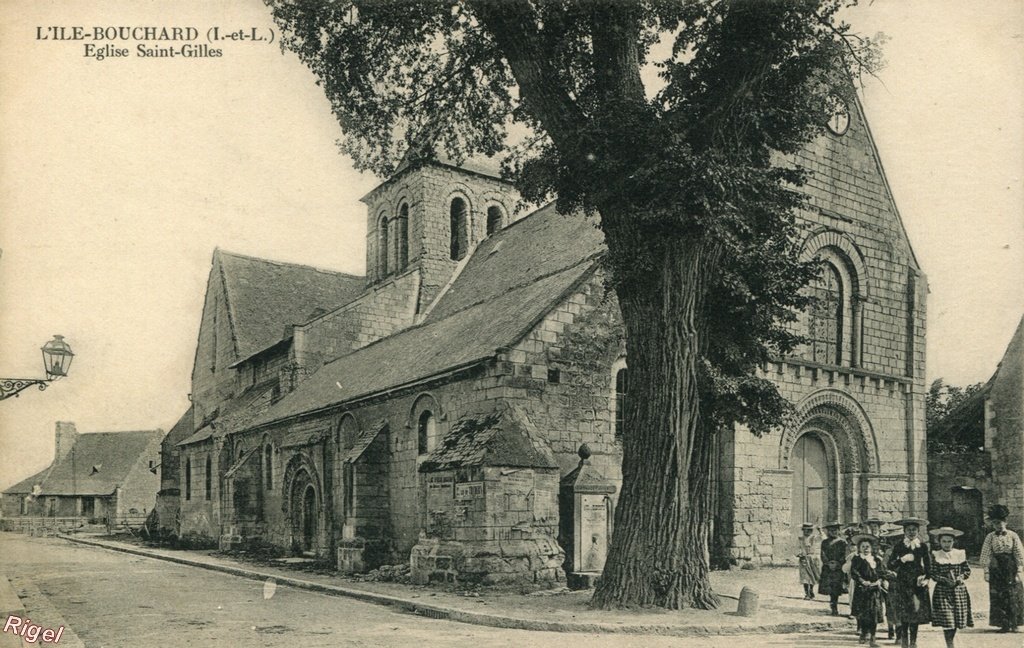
(838, 114)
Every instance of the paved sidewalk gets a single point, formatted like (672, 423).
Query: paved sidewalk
(10, 605)
(561, 611)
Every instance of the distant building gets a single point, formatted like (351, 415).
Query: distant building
(962, 485)
(99, 476)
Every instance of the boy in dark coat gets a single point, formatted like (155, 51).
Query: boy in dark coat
(833, 554)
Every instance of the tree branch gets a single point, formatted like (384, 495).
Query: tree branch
(513, 27)
(615, 33)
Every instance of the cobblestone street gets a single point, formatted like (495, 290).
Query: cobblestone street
(112, 599)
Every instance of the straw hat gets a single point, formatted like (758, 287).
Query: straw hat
(861, 537)
(946, 531)
(832, 524)
(921, 522)
(873, 521)
(807, 525)
(889, 530)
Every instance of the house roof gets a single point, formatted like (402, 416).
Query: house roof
(1014, 348)
(496, 300)
(264, 297)
(504, 437)
(96, 464)
(25, 485)
(182, 429)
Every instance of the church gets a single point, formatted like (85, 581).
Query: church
(458, 406)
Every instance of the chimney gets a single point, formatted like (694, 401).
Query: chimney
(66, 436)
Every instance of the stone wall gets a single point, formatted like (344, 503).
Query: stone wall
(138, 490)
(561, 375)
(955, 482)
(385, 308)
(489, 524)
(200, 513)
(1004, 429)
(212, 381)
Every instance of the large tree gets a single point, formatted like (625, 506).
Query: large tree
(675, 122)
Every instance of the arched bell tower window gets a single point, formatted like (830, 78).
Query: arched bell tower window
(459, 229)
(826, 322)
(494, 219)
(402, 238)
(382, 247)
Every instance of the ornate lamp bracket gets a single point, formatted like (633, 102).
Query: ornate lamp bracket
(11, 386)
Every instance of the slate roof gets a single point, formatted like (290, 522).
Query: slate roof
(501, 438)
(236, 414)
(496, 300)
(97, 463)
(364, 440)
(264, 297)
(533, 247)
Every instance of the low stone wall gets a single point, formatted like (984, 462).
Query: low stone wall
(537, 560)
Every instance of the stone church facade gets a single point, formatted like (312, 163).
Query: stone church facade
(433, 410)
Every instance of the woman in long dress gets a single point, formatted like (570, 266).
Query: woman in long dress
(1002, 558)
(908, 595)
(810, 564)
(868, 574)
(833, 553)
(951, 603)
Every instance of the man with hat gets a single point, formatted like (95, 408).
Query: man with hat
(1002, 558)
(810, 565)
(910, 560)
(951, 603)
(833, 553)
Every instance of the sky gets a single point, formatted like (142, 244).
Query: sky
(119, 177)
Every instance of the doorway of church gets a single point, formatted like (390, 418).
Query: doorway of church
(304, 514)
(309, 521)
(809, 463)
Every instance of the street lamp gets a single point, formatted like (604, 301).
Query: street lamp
(57, 357)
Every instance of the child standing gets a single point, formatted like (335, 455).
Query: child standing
(810, 565)
(911, 561)
(833, 553)
(951, 604)
(867, 572)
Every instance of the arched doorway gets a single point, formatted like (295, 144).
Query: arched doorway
(304, 513)
(812, 496)
(309, 518)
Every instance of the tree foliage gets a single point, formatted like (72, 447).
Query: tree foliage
(955, 417)
(676, 121)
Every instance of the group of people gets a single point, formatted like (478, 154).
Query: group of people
(886, 568)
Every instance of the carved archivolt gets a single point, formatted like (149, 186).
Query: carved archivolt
(300, 467)
(844, 247)
(835, 414)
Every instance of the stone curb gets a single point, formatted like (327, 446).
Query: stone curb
(478, 618)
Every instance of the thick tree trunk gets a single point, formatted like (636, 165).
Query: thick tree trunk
(659, 551)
